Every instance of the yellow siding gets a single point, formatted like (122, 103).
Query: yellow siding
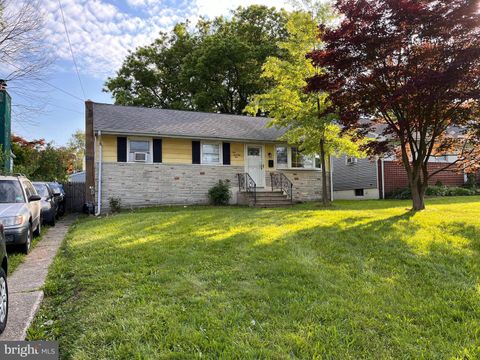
(237, 154)
(269, 149)
(176, 151)
(109, 148)
(179, 151)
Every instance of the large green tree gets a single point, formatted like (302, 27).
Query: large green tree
(214, 67)
(287, 103)
(152, 75)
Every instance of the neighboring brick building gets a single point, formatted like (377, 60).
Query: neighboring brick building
(365, 178)
(395, 176)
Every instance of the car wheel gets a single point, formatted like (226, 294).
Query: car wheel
(3, 300)
(28, 243)
(38, 230)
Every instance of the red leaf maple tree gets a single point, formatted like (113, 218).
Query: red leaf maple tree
(410, 71)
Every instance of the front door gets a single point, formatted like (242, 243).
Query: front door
(255, 164)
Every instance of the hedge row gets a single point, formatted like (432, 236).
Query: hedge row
(436, 191)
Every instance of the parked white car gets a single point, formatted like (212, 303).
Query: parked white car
(20, 209)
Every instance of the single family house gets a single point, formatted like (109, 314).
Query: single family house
(148, 156)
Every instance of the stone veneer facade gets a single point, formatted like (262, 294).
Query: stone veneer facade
(307, 184)
(140, 185)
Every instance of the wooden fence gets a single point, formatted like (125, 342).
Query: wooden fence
(74, 196)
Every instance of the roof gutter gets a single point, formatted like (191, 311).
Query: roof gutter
(194, 137)
(99, 192)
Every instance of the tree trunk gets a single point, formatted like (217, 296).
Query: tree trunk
(325, 197)
(418, 197)
(418, 186)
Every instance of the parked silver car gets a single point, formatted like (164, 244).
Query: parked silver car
(19, 211)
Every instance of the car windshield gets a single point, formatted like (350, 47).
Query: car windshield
(11, 192)
(41, 190)
(55, 187)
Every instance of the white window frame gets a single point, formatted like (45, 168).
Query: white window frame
(289, 160)
(220, 152)
(150, 150)
(287, 165)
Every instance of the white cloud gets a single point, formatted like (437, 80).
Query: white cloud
(102, 34)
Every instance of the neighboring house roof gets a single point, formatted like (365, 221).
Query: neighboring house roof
(163, 122)
(77, 177)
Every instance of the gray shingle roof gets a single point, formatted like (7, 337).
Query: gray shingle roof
(163, 122)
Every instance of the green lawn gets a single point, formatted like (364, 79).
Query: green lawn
(359, 280)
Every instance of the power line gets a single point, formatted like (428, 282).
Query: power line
(46, 82)
(71, 49)
(60, 89)
(49, 104)
(64, 108)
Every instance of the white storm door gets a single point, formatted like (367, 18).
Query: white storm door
(255, 164)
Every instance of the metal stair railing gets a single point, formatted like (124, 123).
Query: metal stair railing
(280, 181)
(246, 183)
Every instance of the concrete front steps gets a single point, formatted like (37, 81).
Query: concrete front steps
(265, 199)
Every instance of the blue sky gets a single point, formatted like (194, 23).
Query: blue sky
(102, 32)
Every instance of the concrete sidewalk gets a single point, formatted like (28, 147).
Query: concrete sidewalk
(26, 282)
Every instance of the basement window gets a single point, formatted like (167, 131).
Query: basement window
(359, 192)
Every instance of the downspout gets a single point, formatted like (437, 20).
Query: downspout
(99, 192)
(331, 178)
(383, 179)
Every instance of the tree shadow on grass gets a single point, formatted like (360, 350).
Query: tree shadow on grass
(392, 203)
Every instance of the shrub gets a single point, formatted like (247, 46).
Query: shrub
(115, 204)
(401, 194)
(219, 194)
(471, 180)
(439, 183)
(405, 194)
(436, 190)
(458, 191)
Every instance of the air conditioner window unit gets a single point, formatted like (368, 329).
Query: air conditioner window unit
(140, 157)
(351, 160)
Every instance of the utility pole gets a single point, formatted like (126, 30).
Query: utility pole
(6, 127)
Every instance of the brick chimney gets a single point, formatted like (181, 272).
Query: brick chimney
(89, 153)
